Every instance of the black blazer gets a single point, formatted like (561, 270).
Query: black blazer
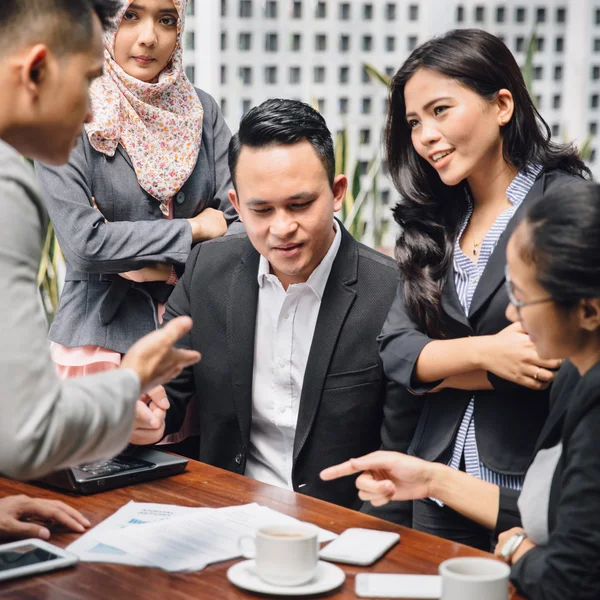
(347, 405)
(508, 418)
(569, 566)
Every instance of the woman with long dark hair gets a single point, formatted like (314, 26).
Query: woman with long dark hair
(551, 529)
(468, 152)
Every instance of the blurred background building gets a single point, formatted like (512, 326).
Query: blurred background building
(245, 51)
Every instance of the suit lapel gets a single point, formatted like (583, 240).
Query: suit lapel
(241, 325)
(451, 303)
(337, 300)
(493, 274)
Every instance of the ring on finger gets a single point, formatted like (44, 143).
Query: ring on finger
(537, 373)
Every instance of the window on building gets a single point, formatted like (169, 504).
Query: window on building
(320, 42)
(561, 15)
(390, 71)
(223, 74)
(597, 45)
(363, 167)
(365, 136)
(385, 105)
(191, 8)
(593, 128)
(245, 9)
(520, 14)
(367, 12)
(385, 197)
(538, 101)
(460, 13)
(344, 75)
(246, 105)
(413, 12)
(365, 106)
(411, 42)
(390, 43)
(519, 43)
(223, 40)
(245, 74)
(321, 10)
(366, 78)
(344, 44)
(271, 75)
(594, 101)
(190, 71)
(538, 72)
(595, 72)
(321, 105)
(245, 41)
(540, 15)
(558, 73)
(296, 10)
(296, 42)
(190, 40)
(271, 9)
(593, 156)
(541, 43)
(319, 74)
(501, 37)
(556, 101)
(367, 43)
(559, 44)
(343, 106)
(271, 42)
(344, 11)
(294, 75)
(480, 14)
(500, 14)
(598, 16)
(390, 11)
(555, 130)
(224, 107)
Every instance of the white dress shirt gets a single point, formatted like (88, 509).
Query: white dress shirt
(285, 325)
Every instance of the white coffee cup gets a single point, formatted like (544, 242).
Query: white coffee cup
(285, 554)
(474, 578)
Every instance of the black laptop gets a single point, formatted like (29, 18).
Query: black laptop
(133, 465)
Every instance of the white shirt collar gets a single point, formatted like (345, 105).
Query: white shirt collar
(318, 278)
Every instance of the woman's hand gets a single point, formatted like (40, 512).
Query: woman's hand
(524, 547)
(17, 512)
(511, 354)
(386, 476)
(208, 225)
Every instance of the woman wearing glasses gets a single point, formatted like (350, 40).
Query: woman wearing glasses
(468, 152)
(551, 530)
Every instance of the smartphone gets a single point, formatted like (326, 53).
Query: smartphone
(28, 557)
(357, 546)
(380, 585)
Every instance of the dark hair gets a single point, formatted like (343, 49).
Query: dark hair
(279, 121)
(65, 25)
(563, 241)
(430, 212)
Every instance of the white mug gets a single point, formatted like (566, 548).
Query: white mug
(284, 554)
(474, 578)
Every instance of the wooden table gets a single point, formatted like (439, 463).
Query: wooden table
(203, 485)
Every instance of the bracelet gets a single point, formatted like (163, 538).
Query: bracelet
(511, 546)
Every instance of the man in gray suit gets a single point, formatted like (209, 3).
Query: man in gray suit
(50, 51)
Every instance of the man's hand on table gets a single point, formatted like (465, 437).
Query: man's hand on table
(17, 512)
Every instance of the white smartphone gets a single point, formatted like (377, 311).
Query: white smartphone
(357, 546)
(28, 557)
(380, 585)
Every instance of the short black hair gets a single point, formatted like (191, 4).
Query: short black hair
(66, 26)
(280, 121)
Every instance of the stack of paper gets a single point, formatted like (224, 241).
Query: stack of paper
(176, 538)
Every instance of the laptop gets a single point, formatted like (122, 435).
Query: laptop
(134, 465)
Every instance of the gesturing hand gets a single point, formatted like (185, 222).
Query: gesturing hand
(15, 511)
(386, 476)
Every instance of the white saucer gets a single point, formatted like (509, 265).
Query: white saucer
(328, 577)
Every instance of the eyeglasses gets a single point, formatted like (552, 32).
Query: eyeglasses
(519, 304)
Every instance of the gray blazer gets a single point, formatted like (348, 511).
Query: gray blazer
(46, 424)
(97, 306)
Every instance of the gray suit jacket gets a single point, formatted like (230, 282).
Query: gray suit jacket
(97, 306)
(45, 424)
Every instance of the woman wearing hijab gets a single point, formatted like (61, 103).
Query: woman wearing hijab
(147, 180)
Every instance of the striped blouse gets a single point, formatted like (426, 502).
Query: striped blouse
(466, 277)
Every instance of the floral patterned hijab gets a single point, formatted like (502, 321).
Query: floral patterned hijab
(159, 124)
